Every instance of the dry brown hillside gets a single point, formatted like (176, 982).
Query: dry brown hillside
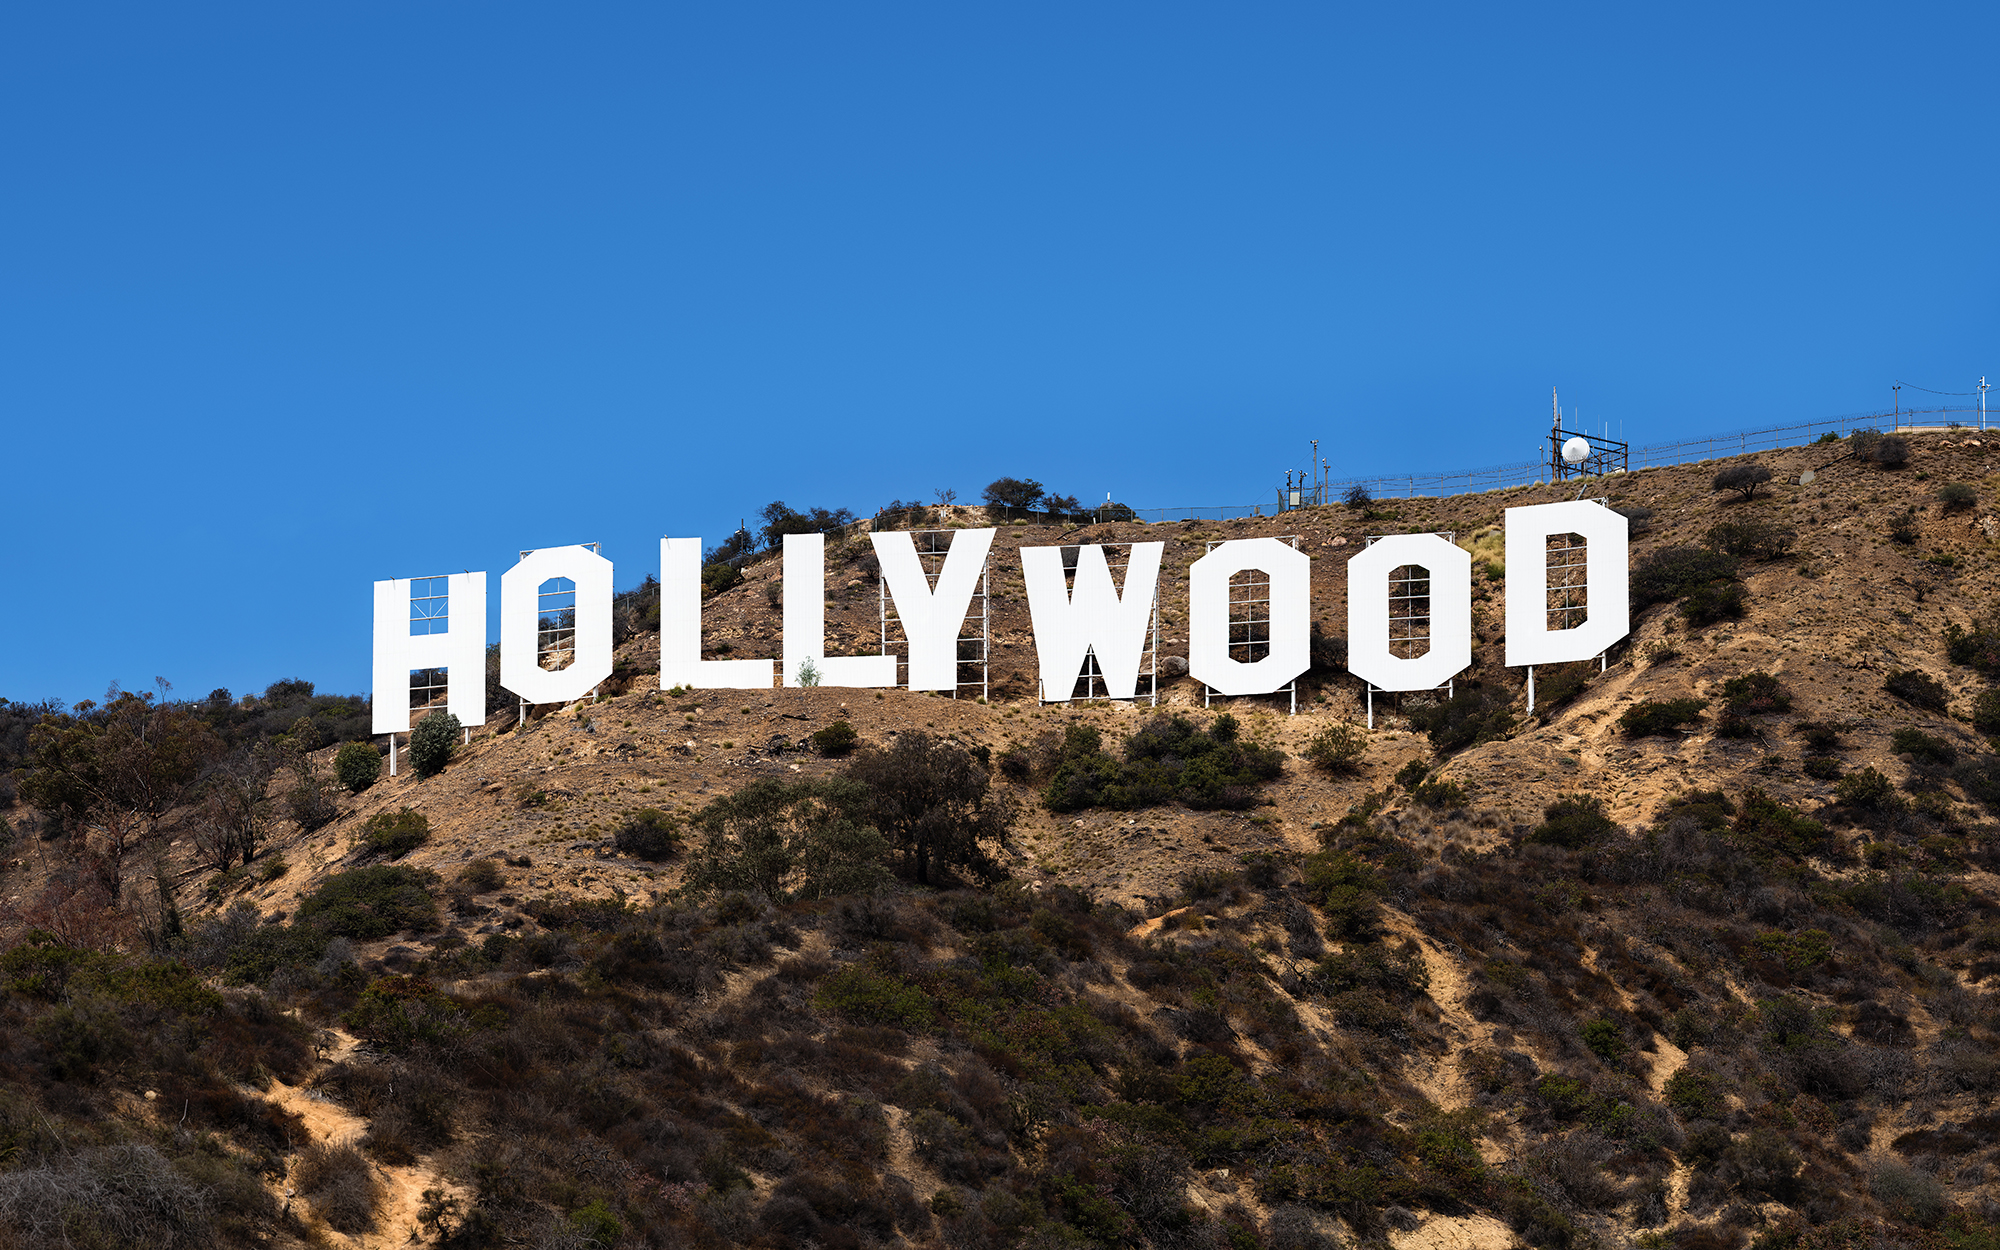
(1831, 620)
(1420, 1018)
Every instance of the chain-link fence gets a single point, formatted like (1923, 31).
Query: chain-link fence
(1684, 451)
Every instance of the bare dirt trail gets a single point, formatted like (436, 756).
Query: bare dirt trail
(1456, 1232)
(402, 1188)
(1445, 1083)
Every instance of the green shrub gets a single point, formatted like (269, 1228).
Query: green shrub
(1557, 684)
(788, 840)
(1471, 716)
(1675, 572)
(481, 876)
(357, 765)
(1696, 1093)
(401, 1013)
(1986, 712)
(1912, 1196)
(1337, 748)
(1764, 818)
(1978, 648)
(932, 800)
(1574, 821)
(836, 739)
(1819, 735)
(595, 1224)
(1867, 788)
(1955, 496)
(1808, 948)
(1755, 694)
(374, 902)
(1605, 1039)
(433, 742)
(395, 834)
(1716, 601)
(1730, 725)
(1917, 689)
(1874, 447)
(1347, 890)
(716, 578)
(1752, 540)
(1657, 717)
(1920, 745)
(868, 997)
(1824, 767)
(649, 834)
(1903, 527)
(1439, 794)
(1169, 759)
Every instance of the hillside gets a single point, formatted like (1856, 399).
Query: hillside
(1742, 995)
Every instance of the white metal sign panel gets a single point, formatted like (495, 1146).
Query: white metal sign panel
(805, 623)
(459, 649)
(1608, 618)
(1094, 617)
(1290, 571)
(680, 628)
(932, 619)
(520, 624)
(1368, 653)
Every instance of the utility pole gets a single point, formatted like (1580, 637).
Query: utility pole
(1982, 403)
(1317, 498)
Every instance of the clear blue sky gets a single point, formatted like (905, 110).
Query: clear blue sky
(294, 297)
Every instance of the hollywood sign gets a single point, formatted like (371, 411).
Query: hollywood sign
(1074, 614)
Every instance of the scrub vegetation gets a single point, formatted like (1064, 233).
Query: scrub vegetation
(1701, 953)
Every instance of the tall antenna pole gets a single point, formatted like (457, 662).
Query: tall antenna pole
(1555, 430)
(1982, 403)
(1898, 388)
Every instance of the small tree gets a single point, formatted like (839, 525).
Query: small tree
(929, 798)
(433, 743)
(781, 519)
(1357, 496)
(357, 765)
(307, 801)
(231, 820)
(1742, 477)
(1014, 492)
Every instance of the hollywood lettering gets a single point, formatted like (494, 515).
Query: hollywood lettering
(1073, 614)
